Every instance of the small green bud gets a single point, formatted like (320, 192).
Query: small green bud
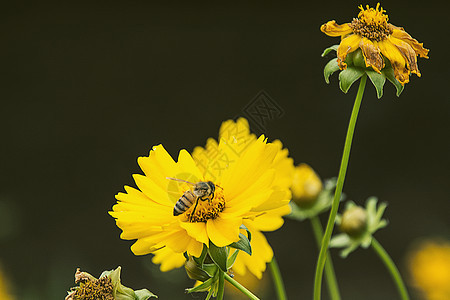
(354, 221)
(358, 59)
(194, 271)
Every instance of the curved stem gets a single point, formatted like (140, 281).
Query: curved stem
(391, 267)
(277, 279)
(337, 195)
(240, 287)
(221, 285)
(330, 275)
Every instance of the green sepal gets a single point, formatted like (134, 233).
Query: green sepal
(201, 259)
(219, 255)
(329, 49)
(144, 294)
(249, 234)
(378, 81)
(203, 287)
(331, 67)
(243, 244)
(195, 271)
(122, 292)
(348, 76)
(389, 73)
(232, 258)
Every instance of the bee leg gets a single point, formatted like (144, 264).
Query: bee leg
(193, 211)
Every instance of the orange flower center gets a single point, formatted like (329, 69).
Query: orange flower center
(372, 23)
(208, 208)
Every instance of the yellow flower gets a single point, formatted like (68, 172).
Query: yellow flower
(246, 189)
(429, 265)
(371, 33)
(235, 140)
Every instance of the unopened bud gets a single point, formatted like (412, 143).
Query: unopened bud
(306, 186)
(194, 271)
(354, 221)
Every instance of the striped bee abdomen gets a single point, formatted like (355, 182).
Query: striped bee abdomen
(184, 203)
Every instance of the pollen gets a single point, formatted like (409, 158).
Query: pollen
(207, 209)
(372, 23)
(101, 289)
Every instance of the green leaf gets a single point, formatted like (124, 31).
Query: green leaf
(232, 259)
(201, 287)
(144, 294)
(243, 244)
(329, 49)
(378, 81)
(389, 73)
(348, 76)
(331, 67)
(219, 255)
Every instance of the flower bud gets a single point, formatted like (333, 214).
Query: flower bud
(354, 221)
(306, 186)
(194, 271)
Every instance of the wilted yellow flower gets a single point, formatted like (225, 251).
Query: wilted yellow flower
(429, 265)
(247, 191)
(213, 161)
(306, 185)
(372, 33)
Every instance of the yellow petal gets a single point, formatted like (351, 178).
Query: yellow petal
(408, 53)
(196, 230)
(158, 165)
(400, 33)
(371, 54)
(223, 232)
(347, 45)
(168, 259)
(252, 164)
(397, 60)
(331, 28)
(153, 190)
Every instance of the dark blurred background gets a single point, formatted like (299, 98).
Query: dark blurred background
(87, 87)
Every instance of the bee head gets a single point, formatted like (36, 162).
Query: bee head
(203, 188)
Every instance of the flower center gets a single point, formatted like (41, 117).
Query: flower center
(208, 208)
(101, 289)
(372, 23)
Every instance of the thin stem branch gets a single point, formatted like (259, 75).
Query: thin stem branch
(277, 279)
(221, 285)
(337, 195)
(240, 287)
(330, 275)
(392, 268)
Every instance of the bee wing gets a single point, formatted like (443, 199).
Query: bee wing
(181, 180)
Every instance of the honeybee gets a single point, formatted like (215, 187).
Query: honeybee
(202, 190)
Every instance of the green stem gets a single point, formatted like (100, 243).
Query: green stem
(337, 195)
(330, 275)
(391, 267)
(277, 279)
(240, 287)
(221, 285)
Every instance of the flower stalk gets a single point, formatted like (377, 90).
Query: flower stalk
(387, 260)
(277, 279)
(337, 195)
(240, 287)
(330, 275)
